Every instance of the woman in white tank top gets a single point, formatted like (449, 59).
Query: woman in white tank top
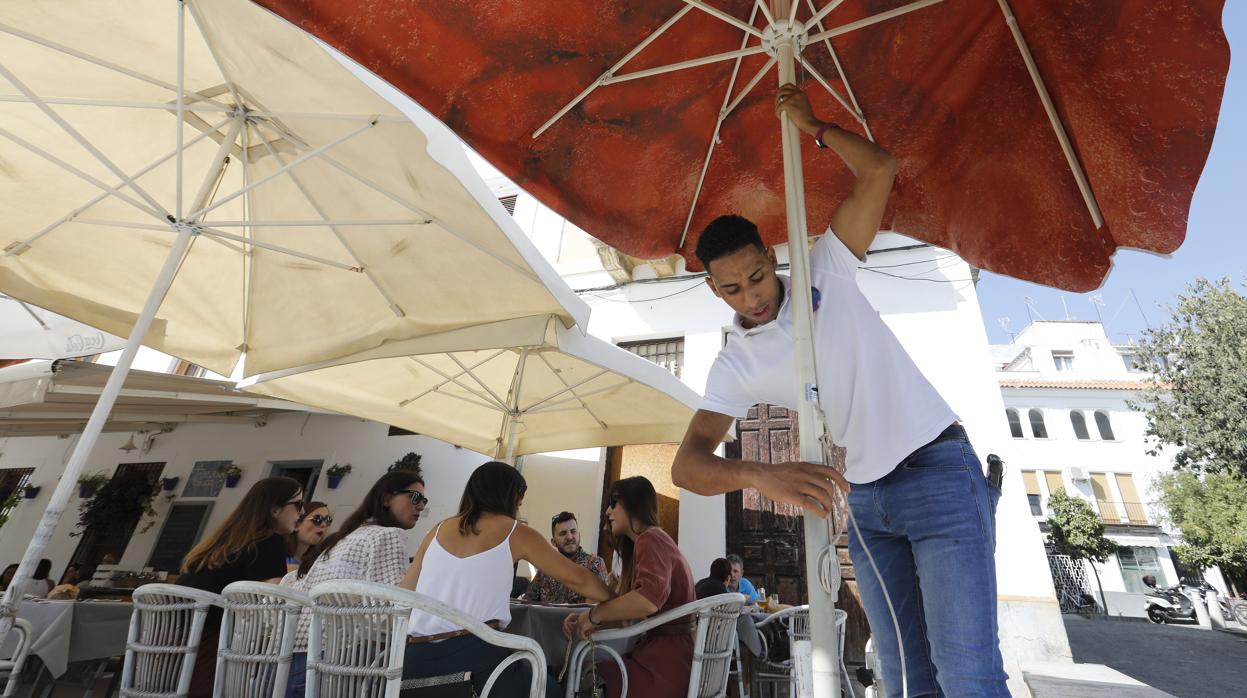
(467, 562)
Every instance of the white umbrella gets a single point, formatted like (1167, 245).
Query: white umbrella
(205, 179)
(28, 332)
(506, 389)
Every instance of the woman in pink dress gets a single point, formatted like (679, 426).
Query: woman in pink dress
(656, 578)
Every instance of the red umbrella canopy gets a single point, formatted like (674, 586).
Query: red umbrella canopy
(1136, 86)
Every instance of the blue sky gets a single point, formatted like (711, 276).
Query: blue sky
(1214, 246)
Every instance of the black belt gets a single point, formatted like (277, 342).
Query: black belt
(955, 432)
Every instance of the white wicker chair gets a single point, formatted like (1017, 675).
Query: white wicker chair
(359, 635)
(714, 639)
(796, 621)
(166, 627)
(11, 668)
(257, 639)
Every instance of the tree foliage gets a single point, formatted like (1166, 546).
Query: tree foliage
(1210, 511)
(1197, 401)
(1074, 529)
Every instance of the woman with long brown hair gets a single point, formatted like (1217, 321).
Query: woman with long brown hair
(250, 545)
(656, 578)
(310, 530)
(466, 562)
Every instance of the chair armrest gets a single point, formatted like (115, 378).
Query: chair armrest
(689, 609)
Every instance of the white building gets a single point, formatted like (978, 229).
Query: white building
(1066, 391)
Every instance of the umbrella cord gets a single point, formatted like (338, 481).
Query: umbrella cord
(829, 564)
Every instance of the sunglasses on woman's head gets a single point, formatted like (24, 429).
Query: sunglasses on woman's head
(417, 497)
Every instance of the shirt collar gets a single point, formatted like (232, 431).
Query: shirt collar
(738, 327)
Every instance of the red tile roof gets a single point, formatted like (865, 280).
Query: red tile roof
(1072, 384)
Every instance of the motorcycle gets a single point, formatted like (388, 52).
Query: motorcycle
(1165, 605)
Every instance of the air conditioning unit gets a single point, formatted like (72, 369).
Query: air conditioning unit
(1078, 474)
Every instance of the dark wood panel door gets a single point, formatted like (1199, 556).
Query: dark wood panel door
(770, 536)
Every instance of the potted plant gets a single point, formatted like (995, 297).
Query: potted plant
(233, 474)
(89, 484)
(31, 491)
(8, 500)
(168, 484)
(336, 472)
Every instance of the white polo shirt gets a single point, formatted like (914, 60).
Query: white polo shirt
(877, 404)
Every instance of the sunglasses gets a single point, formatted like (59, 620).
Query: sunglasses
(417, 497)
(298, 504)
(610, 503)
(321, 520)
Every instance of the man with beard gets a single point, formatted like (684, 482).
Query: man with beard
(564, 535)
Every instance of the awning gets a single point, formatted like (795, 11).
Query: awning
(51, 398)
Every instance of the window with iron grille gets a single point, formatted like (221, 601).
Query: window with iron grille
(668, 353)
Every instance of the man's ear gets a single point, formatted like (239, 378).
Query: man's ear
(770, 254)
(713, 289)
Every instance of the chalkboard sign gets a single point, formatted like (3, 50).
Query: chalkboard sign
(180, 533)
(206, 479)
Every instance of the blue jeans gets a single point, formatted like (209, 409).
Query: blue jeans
(931, 526)
(298, 675)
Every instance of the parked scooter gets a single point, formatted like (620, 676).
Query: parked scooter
(1165, 605)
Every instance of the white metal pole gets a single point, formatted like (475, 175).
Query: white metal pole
(514, 424)
(826, 683)
(73, 469)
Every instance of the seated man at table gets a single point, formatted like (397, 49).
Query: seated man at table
(737, 581)
(564, 535)
(716, 583)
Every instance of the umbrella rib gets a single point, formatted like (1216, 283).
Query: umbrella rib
(198, 214)
(118, 103)
(82, 141)
(873, 19)
(683, 65)
(298, 183)
(479, 382)
(214, 233)
(381, 118)
(766, 12)
(832, 91)
(725, 17)
(848, 89)
(525, 272)
(611, 71)
(455, 379)
(75, 53)
(581, 396)
(20, 247)
(723, 111)
(817, 17)
(1080, 177)
(569, 389)
(82, 175)
(312, 223)
(220, 160)
(211, 45)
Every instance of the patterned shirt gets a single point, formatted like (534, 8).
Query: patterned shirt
(370, 553)
(547, 589)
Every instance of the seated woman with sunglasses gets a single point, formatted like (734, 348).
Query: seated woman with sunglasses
(466, 563)
(249, 546)
(656, 578)
(371, 547)
(310, 531)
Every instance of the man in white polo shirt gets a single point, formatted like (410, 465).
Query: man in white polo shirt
(917, 489)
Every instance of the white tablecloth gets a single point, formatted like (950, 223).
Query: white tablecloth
(74, 631)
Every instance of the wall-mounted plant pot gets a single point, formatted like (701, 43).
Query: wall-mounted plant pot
(32, 492)
(169, 483)
(334, 481)
(232, 479)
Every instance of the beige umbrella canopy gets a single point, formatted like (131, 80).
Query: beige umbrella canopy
(505, 389)
(324, 218)
(202, 177)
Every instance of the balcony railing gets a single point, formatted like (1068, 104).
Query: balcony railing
(1131, 513)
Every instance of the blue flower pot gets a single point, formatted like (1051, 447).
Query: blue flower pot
(334, 481)
(232, 480)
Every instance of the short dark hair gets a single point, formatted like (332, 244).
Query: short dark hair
(561, 517)
(725, 235)
(720, 569)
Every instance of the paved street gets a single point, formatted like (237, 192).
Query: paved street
(1184, 661)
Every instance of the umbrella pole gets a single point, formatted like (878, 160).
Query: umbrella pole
(825, 640)
(73, 469)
